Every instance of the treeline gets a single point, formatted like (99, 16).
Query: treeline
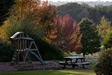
(79, 11)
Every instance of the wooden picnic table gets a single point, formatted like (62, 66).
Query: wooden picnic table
(75, 61)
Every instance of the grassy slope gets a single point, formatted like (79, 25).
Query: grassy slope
(52, 72)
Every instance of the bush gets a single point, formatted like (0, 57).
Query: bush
(48, 51)
(104, 65)
(6, 52)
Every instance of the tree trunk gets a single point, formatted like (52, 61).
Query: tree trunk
(84, 56)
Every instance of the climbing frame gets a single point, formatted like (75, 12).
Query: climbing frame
(24, 45)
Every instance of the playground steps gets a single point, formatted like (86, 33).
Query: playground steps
(14, 57)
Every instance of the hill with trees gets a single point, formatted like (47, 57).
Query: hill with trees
(79, 11)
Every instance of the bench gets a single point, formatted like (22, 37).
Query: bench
(74, 64)
(83, 63)
(68, 63)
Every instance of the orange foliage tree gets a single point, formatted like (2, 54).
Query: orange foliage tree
(67, 34)
(28, 15)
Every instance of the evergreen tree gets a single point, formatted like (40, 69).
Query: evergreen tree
(90, 39)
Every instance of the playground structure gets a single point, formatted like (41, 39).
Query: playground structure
(24, 45)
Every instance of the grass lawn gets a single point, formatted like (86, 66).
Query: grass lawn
(52, 72)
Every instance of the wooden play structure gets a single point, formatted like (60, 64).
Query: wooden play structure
(24, 45)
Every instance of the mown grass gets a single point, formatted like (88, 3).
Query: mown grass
(52, 72)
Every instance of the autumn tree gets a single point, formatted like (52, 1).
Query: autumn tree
(107, 42)
(104, 30)
(90, 39)
(30, 17)
(67, 34)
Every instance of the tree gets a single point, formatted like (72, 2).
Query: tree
(107, 42)
(21, 19)
(84, 13)
(104, 30)
(5, 5)
(90, 40)
(31, 18)
(67, 35)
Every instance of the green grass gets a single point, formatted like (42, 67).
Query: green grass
(52, 72)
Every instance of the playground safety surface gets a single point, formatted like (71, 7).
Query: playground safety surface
(6, 67)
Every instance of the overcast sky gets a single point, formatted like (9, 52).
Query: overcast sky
(76, 0)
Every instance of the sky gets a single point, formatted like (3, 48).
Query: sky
(75, 0)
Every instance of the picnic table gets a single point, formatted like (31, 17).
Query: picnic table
(74, 61)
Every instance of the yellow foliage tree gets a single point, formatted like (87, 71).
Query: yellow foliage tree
(30, 16)
(104, 28)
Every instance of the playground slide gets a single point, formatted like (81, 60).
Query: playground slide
(37, 57)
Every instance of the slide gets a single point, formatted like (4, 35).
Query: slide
(38, 57)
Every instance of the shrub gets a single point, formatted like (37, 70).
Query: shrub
(6, 52)
(104, 65)
(48, 51)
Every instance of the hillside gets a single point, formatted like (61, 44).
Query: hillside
(91, 3)
(79, 11)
